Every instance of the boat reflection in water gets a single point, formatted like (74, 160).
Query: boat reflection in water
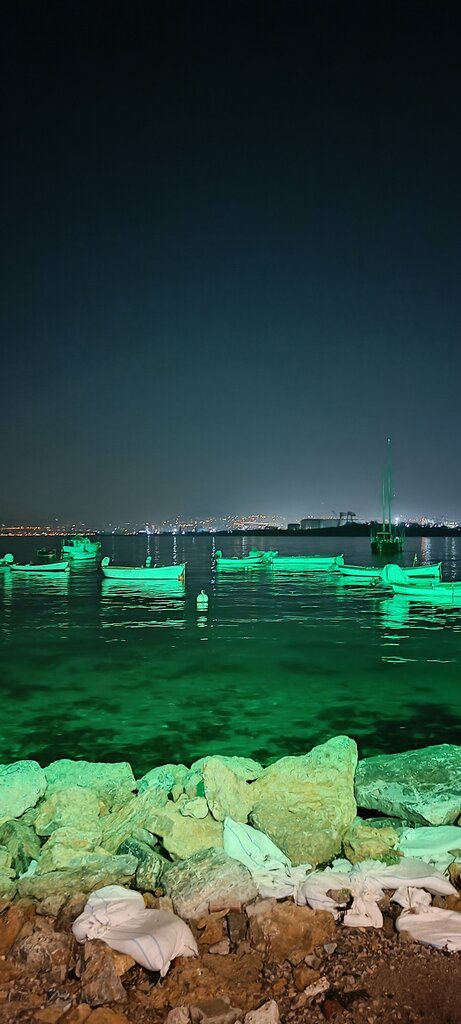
(142, 605)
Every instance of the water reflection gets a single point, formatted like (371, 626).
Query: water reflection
(142, 605)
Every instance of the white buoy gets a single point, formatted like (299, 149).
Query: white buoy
(202, 601)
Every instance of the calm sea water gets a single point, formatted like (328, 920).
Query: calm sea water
(95, 669)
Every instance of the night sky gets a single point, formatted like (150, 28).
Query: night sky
(231, 257)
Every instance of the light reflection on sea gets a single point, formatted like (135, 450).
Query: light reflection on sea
(105, 669)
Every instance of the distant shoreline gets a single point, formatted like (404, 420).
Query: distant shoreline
(351, 530)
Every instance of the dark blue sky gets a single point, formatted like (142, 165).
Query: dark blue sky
(231, 241)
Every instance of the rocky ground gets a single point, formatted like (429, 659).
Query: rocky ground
(285, 963)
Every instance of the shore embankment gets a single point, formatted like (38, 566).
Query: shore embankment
(277, 937)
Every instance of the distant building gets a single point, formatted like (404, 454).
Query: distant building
(294, 526)
(319, 524)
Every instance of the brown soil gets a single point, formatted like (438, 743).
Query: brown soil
(366, 976)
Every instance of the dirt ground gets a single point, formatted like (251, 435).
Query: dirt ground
(359, 976)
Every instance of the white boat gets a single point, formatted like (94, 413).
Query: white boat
(6, 562)
(436, 593)
(81, 549)
(391, 573)
(308, 563)
(143, 573)
(40, 570)
(255, 559)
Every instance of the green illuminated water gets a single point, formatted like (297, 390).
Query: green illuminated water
(107, 671)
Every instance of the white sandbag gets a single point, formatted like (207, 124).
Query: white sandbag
(366, 882)
(436, 844)
(271, 870)
(119, 918)
(432, 926)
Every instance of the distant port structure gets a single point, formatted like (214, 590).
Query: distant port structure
(324, 522)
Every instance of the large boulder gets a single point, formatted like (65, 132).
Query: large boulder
(420, 786)
(150, 863)
(227, 794)
(113, 783)
(165, 777)
(284, 931)
(87, 872)
(21, 786)
(206, 877)
(364, 842)
(244, 767)
(305, 804)
(139, 812)
(71, 807)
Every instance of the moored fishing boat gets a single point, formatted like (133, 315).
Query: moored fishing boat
(143, 573)
(386, 573)
(308, 563)
(255, 559)
(40, 569)
(6, 562)
(81, 549)
(434, 593)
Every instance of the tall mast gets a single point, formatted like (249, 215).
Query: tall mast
(389, 484)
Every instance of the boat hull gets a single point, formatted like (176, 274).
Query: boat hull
(367, 573)
(434, 593)
(233, 564)
(141, 574)
(41, 570)
(308, 563)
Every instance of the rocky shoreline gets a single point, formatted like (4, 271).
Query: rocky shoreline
(74, 827)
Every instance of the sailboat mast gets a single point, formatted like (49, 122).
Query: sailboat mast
(389, 485)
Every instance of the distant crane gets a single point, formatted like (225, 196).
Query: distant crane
(345, 517)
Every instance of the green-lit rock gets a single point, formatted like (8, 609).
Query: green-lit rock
(139, 812)
(64, 848)
(8, 884)
(5, 860)
(227, 794)
(195, 808)
(22, 843)
(208, 876)
(363, 842)
(113, 783)
(420, 786)
(71, 807)
(90, 871)
(150, 864)
(165, 777)
(306, 804)
(182, 835)
(21, 786)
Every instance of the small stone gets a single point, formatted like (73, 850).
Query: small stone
(330, 947)
(331, 1007)
(221, 948)
(99, 979)
(196, 808)
(268, 1013)
(213, 926)
(304, 976)
(317, 987)
(213, 1011)
(237, 924)
(103, 1015)
(15, 923)
(76, 1015)
(49, 1015)
(180, 1015)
